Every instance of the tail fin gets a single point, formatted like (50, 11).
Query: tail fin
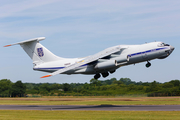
(37, 52)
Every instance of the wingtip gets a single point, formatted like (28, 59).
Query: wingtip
(7, 45)
(46, 76)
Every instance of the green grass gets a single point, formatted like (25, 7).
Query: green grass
(11, 102)
(88, 115)
(92, 101)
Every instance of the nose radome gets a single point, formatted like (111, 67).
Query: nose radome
(172, 48)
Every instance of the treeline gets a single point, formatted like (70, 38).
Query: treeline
(9, 89)
(112, 87)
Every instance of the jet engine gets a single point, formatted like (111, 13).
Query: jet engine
(106, 64)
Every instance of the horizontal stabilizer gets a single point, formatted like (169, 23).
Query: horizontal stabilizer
(26, 41)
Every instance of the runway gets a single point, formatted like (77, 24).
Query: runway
(94, 107)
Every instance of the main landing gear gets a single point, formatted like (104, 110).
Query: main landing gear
(97, 76)
(104, 74)
(148, 64)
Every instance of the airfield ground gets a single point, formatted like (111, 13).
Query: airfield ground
(92, 101)
(88, 115)
(83, 115)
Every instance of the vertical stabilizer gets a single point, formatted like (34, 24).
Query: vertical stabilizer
(37, 52)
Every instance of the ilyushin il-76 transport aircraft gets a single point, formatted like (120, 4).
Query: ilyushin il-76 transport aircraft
(102, 63)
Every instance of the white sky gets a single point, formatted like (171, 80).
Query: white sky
(78, 28)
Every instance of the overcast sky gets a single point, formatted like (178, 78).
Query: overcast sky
(78, 28)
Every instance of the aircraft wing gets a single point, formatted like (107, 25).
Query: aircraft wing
(87, 60)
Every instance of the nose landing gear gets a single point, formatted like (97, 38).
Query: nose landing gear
(148, 64)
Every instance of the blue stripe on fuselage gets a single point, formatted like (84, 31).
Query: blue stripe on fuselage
(148, 51)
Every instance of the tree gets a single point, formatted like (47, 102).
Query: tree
(55, 87)
(175, 82)
(126, 81)
(66, 87)
(86, 86)
(95, 82)
(167, 85)
(108, 82)
(117, 82)
(18, 89)
(45, 87)
(5, 87)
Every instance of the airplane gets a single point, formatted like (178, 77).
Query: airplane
(101, 63)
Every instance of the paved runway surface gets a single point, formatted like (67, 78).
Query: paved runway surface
(94, 107)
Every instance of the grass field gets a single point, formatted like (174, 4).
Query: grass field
(88, 115)
(92, 101)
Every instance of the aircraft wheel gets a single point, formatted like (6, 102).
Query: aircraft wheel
(112, 71)
(148, 64)
(97, 76)
(105, 74)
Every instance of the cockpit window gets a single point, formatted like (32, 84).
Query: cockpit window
(162, 45)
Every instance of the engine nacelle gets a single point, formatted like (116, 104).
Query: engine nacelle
(106, 64)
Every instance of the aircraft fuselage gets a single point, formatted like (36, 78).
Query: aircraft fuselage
(131, 54)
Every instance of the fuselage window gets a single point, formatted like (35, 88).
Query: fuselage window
(162, 45)
(166, 45)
